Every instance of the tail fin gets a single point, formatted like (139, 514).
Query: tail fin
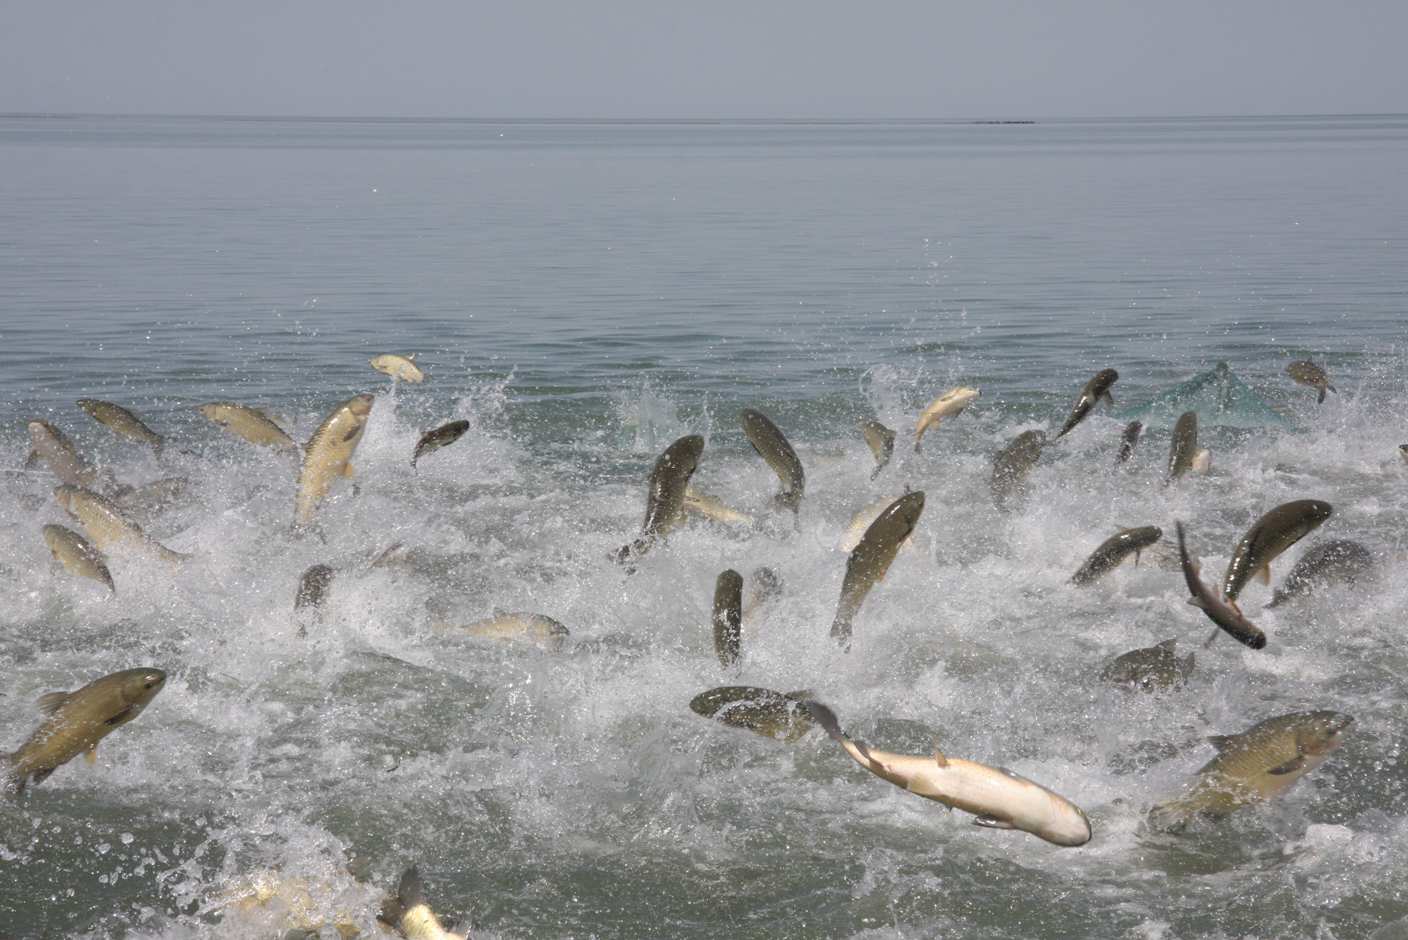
(1321, 399)
(409, 893)
(11, 782)
(827, 719)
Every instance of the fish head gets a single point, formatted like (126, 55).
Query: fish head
(1315, 512)
(1068, 828)
(1320, 732)
(684, 453)
(65, 495)
(361, 405)
(41, 432)
(1105, 378)
(904, 512)
(139, 686)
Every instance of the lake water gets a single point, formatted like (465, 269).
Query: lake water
(585, 293)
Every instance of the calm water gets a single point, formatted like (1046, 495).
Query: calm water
(583, 294)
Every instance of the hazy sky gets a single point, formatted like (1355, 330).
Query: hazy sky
(765, 58)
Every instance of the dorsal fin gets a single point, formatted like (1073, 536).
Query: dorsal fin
(1169, 645)
(1221, 741)
(939, 757)
(51, 702)
(801, 695)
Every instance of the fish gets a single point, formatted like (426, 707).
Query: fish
(105, 524)
(664, 504)
(1268, 537)
(728, 616)
(1308, 373)
(513, 625)
(997, 797)
(881, 441)
(1218, 610)
(764, 587)
(872, 558)
(1337, 561)
(1149, 669)
(78, 555)
(772, 445)
(409, 913)
(1094, 391)
(1257, 765)
(1403, 452)
(329, 454)
(249, 424)
(151, 499)
(1010, 467)
(861, 521)
(313, 587)
(433, 440)
(948, 405)
(298, 902)
(1128, 439)
(702, 504)
(1183, 448)
(398, 367)
(55, 449)
(76, 722)
(121, 422)
(1114, 550)
(782, 716)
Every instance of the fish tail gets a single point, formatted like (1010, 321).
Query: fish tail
(1321, 399)
(827, 719)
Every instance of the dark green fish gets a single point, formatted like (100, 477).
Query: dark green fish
(772, 445)
(778, 715)
(664, 505)
(1219, 611)
(1096, 390)
(1149, 669)
(1308, 373)
(881, 441)
(1184, 446)
(434, 440)
(1114, 550)
(1338, 561)
(1268, 537)
(871, 559)
(1128, 440)
(728, 616)
(1010, 468)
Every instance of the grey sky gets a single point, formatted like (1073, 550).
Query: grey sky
(654, 58)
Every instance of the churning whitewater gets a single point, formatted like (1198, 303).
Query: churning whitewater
(549, 776)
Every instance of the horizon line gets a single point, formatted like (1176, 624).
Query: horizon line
(700, 120)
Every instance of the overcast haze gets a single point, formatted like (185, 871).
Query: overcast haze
(730, 59)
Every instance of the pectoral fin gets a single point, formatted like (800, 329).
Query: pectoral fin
(1289, 767)
(992, 822)
(91, 755)
(1220, 741)
(1108, 399)
(1264, 574)
(347, 469)
(939, 757)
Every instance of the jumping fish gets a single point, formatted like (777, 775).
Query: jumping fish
(1257, 765)
(1308, 373)
(1096, 390)
(772, 445)
(948, 405)
(1011, 465)
(728, 616)
(77, 722)
(249, 424)
(398, 367)
(1184, 447)
(121, 421)
(1128, 440)
(409, 913)
(1114, 550)
(1149, 669)
(1337, 561)
(105, 525)
(438, 438)
(1268, 537)
(765, 586)
(152, 499)
(881, 441)
(329, 454)
(782, 716)
(871, 559)
(997, 797)
(702, 504)
(664, 504)
(57, 451)
(78, 555)
(514, 625)
(313, 587)
(1219, 611)
(862, 520)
